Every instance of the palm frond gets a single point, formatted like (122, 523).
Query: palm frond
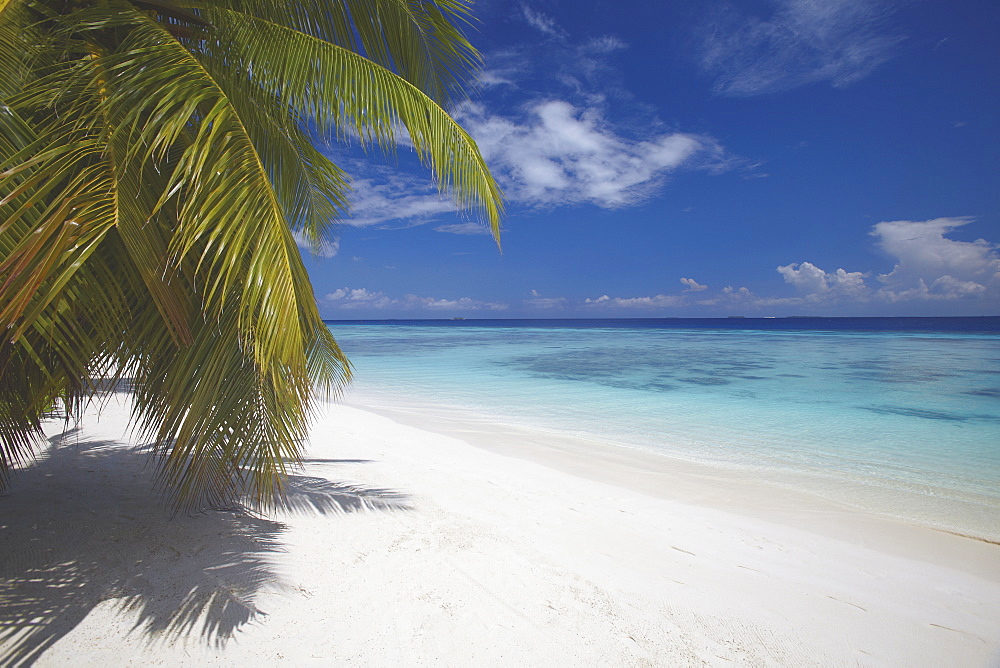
(420, 40)
(156, 158)
(346, 94)
(312, 190)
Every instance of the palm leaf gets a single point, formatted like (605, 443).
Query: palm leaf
(420, 40)
(156, 158)
(346, 94)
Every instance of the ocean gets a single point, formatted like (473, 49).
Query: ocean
(896, 416)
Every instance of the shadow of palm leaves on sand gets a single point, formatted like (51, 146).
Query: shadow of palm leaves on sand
(84, 527)
(307, 495)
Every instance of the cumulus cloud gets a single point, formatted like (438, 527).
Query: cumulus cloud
(691, 285)
(810, 279)
(924, 252)
(362, 298)
(798, 42)
(929, 266)
(348, 298)
(563, 154)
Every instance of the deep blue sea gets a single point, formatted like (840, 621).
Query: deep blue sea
(897, 415)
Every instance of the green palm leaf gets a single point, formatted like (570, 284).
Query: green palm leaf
(156, 163)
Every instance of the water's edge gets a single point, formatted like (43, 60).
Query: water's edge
(798, 497)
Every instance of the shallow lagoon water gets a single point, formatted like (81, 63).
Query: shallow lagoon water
(886, 419)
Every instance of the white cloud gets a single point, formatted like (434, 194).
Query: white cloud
(810, 279)
(494, 77)
(924, 252)
(744, 298)
(562, 154)
(739, 294)
(540, 22)
(943, 288)
(464, 228)
(327, 247)
(606, 44)
(399, 197)
(807, 277)
(728, 297)
(537, 301)
(547, 303)
(562, 150)
(347, 298)
(800, 42)
(383, 194)
(462, 303)
(657, 301)
(929, 266)
(691, 285)
(362, 298)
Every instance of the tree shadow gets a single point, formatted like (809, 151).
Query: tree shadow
(84, 527)
(308, 495)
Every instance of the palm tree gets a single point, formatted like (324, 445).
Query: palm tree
(157, 163)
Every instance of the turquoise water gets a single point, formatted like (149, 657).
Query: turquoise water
(911, 412)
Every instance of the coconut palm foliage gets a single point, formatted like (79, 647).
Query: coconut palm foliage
(157, 164)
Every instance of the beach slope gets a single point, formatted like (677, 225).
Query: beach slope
(405, 546)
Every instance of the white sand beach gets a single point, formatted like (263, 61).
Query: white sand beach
(412, 543)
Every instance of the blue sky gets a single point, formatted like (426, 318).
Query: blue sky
(715, 158)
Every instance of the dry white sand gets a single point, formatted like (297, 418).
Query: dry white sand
(408, 546)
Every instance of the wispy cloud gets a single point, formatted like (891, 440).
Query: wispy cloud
(561, 154)
(654, 302)
(798, 42)
(537, 301)
(728, 298)
(378, 198)
(326, 248)
(575, 136)
(350, 299)
(464, 228)
(540, 22)
(571, 133)
(547, 303)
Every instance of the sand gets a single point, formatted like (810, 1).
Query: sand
(409, 542)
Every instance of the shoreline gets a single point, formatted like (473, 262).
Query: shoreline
(407, 546)
(670, 476)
